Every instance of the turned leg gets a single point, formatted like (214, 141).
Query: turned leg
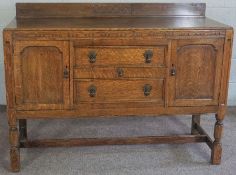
(14, 143)
(23, 130)
(195, 120)
(217, 148)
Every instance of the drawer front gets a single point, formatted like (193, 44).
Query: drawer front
(119, 72)
(112, 55)
(103, 91)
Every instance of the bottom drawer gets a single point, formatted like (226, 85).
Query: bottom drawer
(105, 91)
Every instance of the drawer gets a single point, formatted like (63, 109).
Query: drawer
(120, 55)
(119, 72)
(103, 91)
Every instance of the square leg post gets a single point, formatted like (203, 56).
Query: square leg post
(23, 130)
(195, 120)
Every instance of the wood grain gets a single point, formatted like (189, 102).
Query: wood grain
(107, 110)
(8, 65)
(14, 142)
(118, 90)
(120, 55)
(181, 139)
(195, 122)
(110, 72)
(75, 10)
(38, 68)
(50, 72)
(201, 131)
(197, 64)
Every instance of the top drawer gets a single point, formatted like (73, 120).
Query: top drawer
(113, 55)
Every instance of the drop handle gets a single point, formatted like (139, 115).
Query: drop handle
(148, 54)
(120, 72)
(92, 55)
(66, 72)
(92, 90)
(147, 89)
(173, 71)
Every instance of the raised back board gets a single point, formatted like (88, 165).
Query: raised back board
(77, 10)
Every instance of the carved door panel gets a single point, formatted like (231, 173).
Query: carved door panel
(41, 71)
(195, 72)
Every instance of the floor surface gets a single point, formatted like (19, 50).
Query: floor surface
(165, 159)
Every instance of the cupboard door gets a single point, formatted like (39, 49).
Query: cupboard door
(195, 72)
(41, 71)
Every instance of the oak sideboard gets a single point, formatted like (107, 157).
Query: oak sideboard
(71, 60)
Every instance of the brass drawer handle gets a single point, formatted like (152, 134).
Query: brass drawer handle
(92, 90)
(120, 72)
(92, 56)
(147, 89)
(148, 54)
(66, 72)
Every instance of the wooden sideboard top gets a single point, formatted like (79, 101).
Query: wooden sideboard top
(69, 16)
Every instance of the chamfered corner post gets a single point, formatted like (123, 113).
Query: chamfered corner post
(14, 142)
(195, 122)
